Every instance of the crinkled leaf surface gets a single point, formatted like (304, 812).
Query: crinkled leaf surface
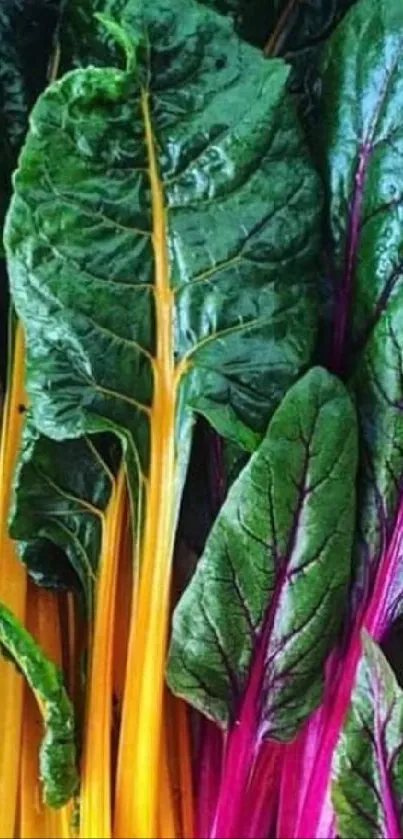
(58, 750)
(271, 583)
(61, 492)
(368, 766)
(295, 29)
(363, 144)
(123, 249)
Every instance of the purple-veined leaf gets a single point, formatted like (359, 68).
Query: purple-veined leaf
(252, 631)
(363, 145)
(368, 767)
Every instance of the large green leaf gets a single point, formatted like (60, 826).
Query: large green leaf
(269, 590)
(86, 268)
(162, 244)
(362, 144)
(58, 749)
(368, 766)
(61, 492)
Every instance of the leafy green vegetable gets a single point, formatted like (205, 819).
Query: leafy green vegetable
(361, 140)
(268, 592)
(99, 372)
(368, 766)
(295, 30)
(58, 750)
(362, 137)
(143, 302)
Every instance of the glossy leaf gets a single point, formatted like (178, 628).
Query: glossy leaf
(143, 301)
(368, 766)
(362, 141)
(100, 370)
(268, 592)
(58, 751)
(295, 30)
(61, 492)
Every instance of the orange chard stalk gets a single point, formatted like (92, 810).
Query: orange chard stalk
(96, 789)
(185, 767)
(168, 812)
(12, 593)
(175, 815)
(38, 821)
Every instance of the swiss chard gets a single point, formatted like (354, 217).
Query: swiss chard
(362, 87)
(143, 303)
(278, 560)
(163, 245)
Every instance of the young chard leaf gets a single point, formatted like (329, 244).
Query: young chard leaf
(143, 301)
(58, 750)
(367, 786)
(268, 591)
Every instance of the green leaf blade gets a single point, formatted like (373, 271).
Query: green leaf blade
(275, 568)
(361, 100)
(108, 218)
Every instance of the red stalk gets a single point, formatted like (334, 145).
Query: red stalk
(212, 744)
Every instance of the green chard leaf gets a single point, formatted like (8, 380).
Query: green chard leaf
(269, 590)
(162, 244)
(294, 29)
(367, 787)
(61, 492)
(58, 751)
(362, 144)
(86, 265)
